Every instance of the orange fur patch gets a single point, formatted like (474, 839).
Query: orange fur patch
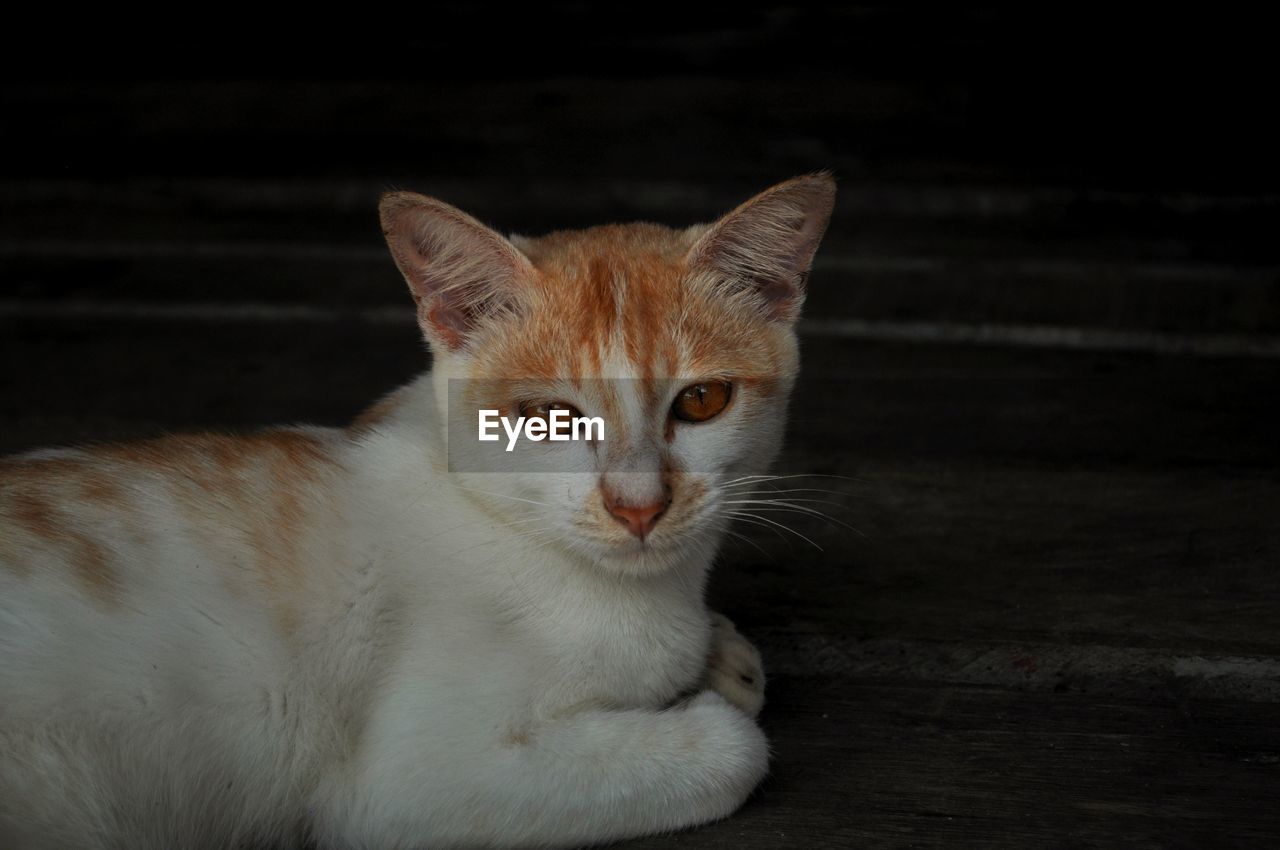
(518, 737)
(625, 290)
(248, 499)
(37, 500)
(620, 301)
(245, 500)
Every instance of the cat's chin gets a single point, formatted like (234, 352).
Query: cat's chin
(640, 558)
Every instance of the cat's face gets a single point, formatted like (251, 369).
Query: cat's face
(681, 342)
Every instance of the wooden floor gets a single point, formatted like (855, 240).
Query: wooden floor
(1041, 386)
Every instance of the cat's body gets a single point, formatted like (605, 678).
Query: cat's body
(327, 635)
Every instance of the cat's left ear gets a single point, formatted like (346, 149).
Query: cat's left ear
(459, 271)
(764, 248)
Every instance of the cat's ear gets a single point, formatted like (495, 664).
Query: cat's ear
(765, 247)
(459, 271)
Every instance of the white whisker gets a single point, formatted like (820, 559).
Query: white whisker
(503, 495)
(784, 506)
(742, 515)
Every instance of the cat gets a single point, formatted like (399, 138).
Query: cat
(349, 638)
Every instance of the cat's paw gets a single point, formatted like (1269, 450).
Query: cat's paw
(735, 744)
(734, 669)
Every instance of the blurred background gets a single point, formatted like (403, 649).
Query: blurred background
(1042, 344)
(1059, 178)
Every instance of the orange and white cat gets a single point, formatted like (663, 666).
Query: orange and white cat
(343, 637)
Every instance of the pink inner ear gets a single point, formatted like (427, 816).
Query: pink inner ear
(766, 245)
(450, 323)
(782, 293)
(458, 270)
(780, 296)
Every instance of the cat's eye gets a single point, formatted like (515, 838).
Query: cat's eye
(542, 409)
(700, 402)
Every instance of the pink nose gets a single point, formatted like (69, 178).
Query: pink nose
(638, 520)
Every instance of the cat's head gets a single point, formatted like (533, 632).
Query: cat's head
(682, 342)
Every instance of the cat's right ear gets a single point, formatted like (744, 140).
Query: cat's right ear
(764, 248)
(459, 271)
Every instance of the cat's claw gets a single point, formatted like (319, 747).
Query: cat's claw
(734, 669)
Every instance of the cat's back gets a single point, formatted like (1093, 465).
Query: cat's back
(158, 602)
(82, 517)
(149, 543)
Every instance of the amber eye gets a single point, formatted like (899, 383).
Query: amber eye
(542, 409)
(700, 402)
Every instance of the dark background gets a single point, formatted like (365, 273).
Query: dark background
(1041, 345)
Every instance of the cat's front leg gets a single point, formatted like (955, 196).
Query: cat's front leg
(734, 668)
(595, 776)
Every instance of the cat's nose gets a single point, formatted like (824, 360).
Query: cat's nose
(639, 520)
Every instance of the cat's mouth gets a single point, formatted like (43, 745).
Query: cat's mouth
(630, 545)
(645, 557)
(647, 544)
(664, 547)
(666, 530)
